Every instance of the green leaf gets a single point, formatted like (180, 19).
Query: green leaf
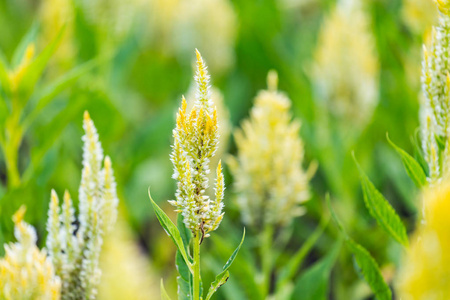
(164, 295)
(369, 267)
(413, 168)
(223, 276)
(370, 270)
(381, 210)
(50, 134)
(34, 70)
(184, 280)
(313, 284)
(4, 77)
(171, 230)
(185, 233)
(47, 94)
(27, 39)
(289, 271)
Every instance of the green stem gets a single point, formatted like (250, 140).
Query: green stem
(196, 250)
(11, 167)
(267, 257)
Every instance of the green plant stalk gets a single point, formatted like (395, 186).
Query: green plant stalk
(266, 257)
(196, 275)
(14, 134)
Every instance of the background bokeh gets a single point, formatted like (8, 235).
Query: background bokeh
(351, 70)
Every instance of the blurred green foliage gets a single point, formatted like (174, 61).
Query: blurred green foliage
(132, 95)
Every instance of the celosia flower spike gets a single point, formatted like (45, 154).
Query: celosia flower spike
(25, 271)
(443, 6)
(54, 232)
(435, 110)
(269, 178)
(196, 140)
(79, 253)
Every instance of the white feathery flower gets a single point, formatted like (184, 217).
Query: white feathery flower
(269, 178)
(78, 249)
(435, 109)
(26, 272)
(196, 139)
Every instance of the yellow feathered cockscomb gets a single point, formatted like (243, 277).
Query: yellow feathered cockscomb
(425, 272)
(269, 178)
(196, 139)
(126, 269)
(26, 272)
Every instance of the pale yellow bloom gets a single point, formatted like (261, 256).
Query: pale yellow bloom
(26, 272)
(346, 66)
(425, 273)
(419, 14)
(125, 267)
(267, 170)
(443, 6)
(210, 25)
(75, 251)
(223, 121)
(196, 139)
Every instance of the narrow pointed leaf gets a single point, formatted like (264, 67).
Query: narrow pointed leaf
(413, 168)
(381, 210)
(184, 280)
(223, 276)
(368, 266)
(314, 283)
(370, 270)
(47, 94)
(171, 230)
(34, 70)
(28, 38)
(289, 271)
(4, 77)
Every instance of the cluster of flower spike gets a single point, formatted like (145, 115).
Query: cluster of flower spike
(435, 110)
(25, 271)
(75, 251)
(268, 175)
(425, 271)
(196, 139)
(346, 46)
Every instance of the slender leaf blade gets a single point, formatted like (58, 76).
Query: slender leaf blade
(369, 267)
(27, 39)
(381, 210)
(184, 280)
(413, 168)
(370, 270)
(223, 276)
(288, 272)
(313, 284)
(171, 230)
(45, 96)
(34, 70)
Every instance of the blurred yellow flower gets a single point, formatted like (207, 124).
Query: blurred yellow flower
(269, 178)
(425, 272)
(25, 271)
(346, 67)
(210, 25)
(126, 270)
(419, 14)
(53, 15)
